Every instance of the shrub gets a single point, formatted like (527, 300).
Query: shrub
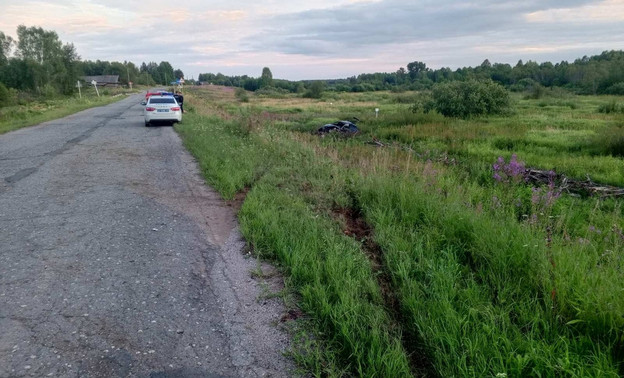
(423, 102)
(464, 99)
(5, 95)
(316, 90)
(242, 95)
(404, 98)
(611, 107)
(616, 89)
(272, 92)
(571, 105)
(559, 92)
(535, 92)
(49, 92)
(363, 87)
(610, 141)
(523, 85)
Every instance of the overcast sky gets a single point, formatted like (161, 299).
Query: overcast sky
(322, 39)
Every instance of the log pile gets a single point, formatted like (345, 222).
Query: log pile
(539, 177)
(572, 186)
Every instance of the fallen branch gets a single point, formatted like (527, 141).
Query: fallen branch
(376, 142)
(580, 187)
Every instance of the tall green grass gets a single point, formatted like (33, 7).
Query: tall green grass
(477, 290)
(325, 267)
(489, 279)
(572, 139)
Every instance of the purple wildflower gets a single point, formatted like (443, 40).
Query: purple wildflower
(513, 171)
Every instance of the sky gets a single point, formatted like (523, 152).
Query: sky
(324, 39)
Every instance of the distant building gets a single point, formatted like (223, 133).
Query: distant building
(103, 80)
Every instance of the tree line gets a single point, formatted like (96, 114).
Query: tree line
(39, 63)
(599, 74)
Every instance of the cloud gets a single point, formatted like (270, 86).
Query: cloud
(324, 38)
(607, 11)
(361, 25)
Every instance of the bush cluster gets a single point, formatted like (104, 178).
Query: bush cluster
(272, 92)
(315, 90)
(464, 99)
(616, 89)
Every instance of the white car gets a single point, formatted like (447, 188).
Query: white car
(163, 109)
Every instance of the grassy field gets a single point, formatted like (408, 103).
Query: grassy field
(36, 111)
(412, 258)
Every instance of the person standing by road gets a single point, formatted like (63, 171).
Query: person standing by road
(180, 99)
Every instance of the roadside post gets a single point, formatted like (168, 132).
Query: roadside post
(95, 85)
(376, 112)
(79, 85)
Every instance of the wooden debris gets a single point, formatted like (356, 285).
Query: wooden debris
(566, 184)
(376, 142)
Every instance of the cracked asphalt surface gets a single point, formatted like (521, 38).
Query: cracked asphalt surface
(117, 260)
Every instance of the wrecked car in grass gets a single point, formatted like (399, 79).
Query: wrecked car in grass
(343, 127)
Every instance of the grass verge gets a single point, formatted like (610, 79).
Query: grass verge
(489, 279)
(19, 116)
(325, 267)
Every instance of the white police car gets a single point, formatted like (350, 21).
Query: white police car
(162, 109)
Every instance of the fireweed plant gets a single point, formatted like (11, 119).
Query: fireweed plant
(514, 173)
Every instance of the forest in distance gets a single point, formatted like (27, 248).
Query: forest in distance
(39, 63)
(599, 74)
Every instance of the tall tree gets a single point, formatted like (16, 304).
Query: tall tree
(401, 74)
(50, 64)
(266, 80)
(66, 73)
(37, 44)
(6, 43)
(415, 68)
(166, 72)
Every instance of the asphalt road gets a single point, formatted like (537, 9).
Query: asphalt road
(116, 260)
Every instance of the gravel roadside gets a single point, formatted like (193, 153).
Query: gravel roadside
(117, 260)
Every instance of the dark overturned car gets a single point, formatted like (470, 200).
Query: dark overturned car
(343, 127)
